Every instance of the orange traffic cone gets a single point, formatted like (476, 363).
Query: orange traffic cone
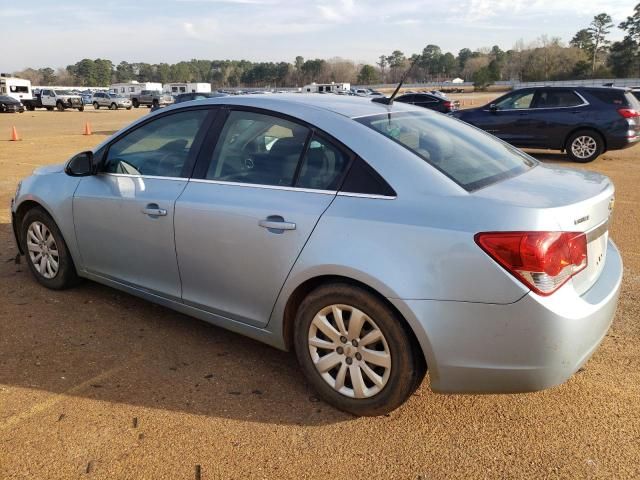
(87, 129)
(14, 135)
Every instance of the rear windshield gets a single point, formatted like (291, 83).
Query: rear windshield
(471, 158)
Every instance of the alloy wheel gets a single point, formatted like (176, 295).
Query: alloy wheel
(43, 250)
(349, 351)
(584, 146)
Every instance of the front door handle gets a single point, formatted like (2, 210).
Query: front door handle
(153, 210)
(276, 224)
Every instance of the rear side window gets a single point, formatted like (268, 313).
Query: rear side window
(259, 149)
(322, 166)
(557, 99)
(470, 157)
(612, 96)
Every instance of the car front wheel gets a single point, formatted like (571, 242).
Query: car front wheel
(46, 251)
(584, 146)
(355, 351)
(96, 105)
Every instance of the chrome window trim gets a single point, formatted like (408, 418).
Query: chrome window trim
(367, 195)
(259, 185)
(584, 103)
(151, 177)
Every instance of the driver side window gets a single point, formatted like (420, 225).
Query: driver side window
(159, 148)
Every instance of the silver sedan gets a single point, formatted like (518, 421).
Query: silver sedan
(376, 241)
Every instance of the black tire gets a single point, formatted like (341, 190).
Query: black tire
(31, 108)
(66, 275)
(135, 103)
(113, 106)
(50, 109)
(128, 108)
(155, 103)
(60, 106)
(3, 108)
(81, 108)
(96, 105)
(407, 365)
(587, 141)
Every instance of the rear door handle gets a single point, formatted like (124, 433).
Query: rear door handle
(153, 210)
(276, 224)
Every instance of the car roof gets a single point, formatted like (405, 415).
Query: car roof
(351, 107)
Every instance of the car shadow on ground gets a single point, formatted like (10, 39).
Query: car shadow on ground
(99, 343)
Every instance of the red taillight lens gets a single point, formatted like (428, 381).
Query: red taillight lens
(543, 261)
(448, 105)
(628, 113)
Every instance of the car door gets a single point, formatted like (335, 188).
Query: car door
(244, 218)
(510, 118)
(124, 215)
(557, 112)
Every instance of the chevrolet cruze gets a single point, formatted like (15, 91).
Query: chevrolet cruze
(377, 241)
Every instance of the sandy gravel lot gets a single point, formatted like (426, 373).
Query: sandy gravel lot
(95, 383)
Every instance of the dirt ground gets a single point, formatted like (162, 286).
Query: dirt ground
(95, 383)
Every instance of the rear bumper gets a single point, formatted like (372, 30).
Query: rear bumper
(532, 344)
(620, 142)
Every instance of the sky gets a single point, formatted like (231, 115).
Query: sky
(57, 33)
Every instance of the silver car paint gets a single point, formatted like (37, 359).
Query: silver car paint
(417, 250)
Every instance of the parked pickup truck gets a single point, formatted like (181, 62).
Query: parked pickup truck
(151, 98)
(50, 99)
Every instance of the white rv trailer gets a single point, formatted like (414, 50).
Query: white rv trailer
(17, 88)
(176, 88)
(326, 88)
(134, 88)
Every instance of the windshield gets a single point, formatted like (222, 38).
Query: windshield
(471, 158)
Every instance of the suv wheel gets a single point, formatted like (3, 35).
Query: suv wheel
(96, 105)
(113, 106)
(135, 103)
(584, 146)
(46, 251)
(355, 351)
(60, 106)
(155, 103)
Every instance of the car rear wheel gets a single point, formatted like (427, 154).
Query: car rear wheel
(155, 104)
(355, 351)
(81, 108)
(113, 106)
(60, 106)
(584, 146)
(46, 251)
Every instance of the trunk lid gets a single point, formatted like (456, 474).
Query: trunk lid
(578, 200)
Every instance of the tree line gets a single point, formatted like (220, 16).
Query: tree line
(589, 54)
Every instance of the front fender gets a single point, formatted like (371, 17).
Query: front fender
(54, 193)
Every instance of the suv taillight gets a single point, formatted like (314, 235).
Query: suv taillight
(628, 113)
(448, 105)
(543, 261)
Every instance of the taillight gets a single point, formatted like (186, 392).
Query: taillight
(448, 105)
(543, 261)
(628, 113)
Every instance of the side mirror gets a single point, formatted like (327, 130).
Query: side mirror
(81, 165)
(493, 107)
